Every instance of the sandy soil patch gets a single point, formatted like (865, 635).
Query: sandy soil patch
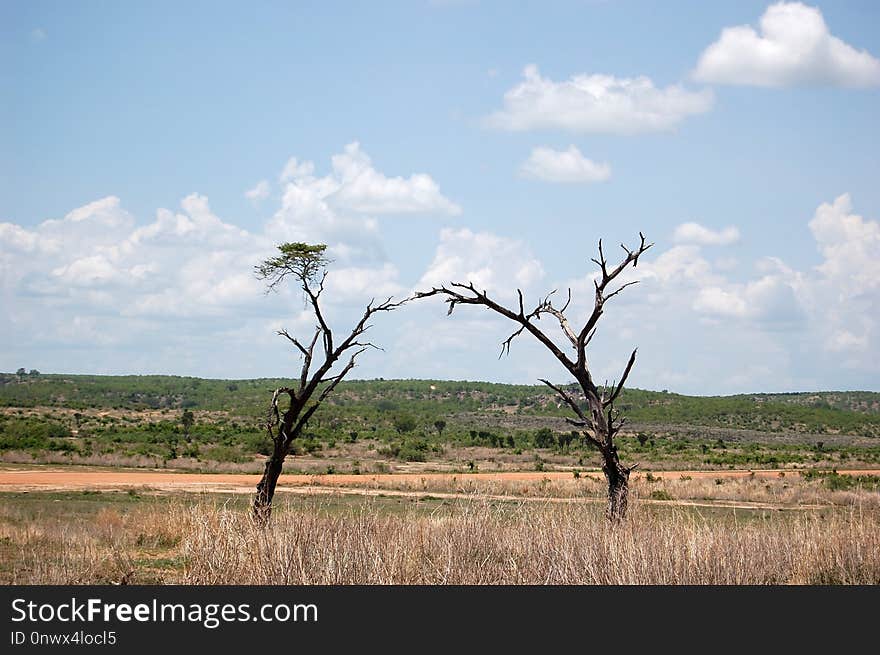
(83, 478)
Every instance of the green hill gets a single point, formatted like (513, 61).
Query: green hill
(845, 412)
(137, 420)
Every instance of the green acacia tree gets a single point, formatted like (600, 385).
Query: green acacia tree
(306, 265)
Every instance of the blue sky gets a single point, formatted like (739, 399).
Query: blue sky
(145, 166)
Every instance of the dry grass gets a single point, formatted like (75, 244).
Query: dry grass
(118, 460)
(789, 490)
(483, 544)
(467, 542)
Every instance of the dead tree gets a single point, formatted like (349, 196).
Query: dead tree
(595, 412)
(307, 265)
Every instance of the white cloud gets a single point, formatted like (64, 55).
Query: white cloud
(98, 224)
(597, 103)
(330, 209)
(844, 292)
(844, 340)
(569, 166)
(182, 264)
(87, 271)
(173, 286)
(682, 280)
(696, 233)
(701, 325)
(98, 291)
(770, 301)
(333, 209)
(492, 263)
(196, 226)
(106, 211)
(850, 246)
(295, 169)
(714, 300)
(682, 264)
(812, 328)
(17, 238)
(260, 191)
(360, 284)
(794, 47)
(307, 214)
(836, 303)
(355, 186)
(364, 189)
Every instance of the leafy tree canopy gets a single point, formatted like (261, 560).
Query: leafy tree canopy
(305, 262)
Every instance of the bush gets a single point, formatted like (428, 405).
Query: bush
(544, 438)
(834, 481)
(224, 454)
(33, 434)
(404, 423)
(255, 442)
(410, 450)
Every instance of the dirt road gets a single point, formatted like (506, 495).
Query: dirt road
(59, 478)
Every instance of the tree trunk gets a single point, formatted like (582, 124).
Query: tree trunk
(262, 510)
(618, 486)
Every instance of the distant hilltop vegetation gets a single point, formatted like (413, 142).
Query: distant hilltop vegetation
(832, 412)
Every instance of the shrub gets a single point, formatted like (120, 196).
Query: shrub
(224, 454)
(544, 438)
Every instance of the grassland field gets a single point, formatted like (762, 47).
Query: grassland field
(431, 482)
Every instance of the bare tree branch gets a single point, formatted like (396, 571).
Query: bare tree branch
(505, 345)
(547, 307)
(274, 418)
(286, 334)
(584, 420)
(632, 257)
(614, 293)
(313, 296)
(567, 399)
(454, 297)
(619, 387)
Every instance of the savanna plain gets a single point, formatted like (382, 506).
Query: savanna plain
(149, 480)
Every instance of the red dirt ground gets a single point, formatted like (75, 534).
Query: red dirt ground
(59, 478)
